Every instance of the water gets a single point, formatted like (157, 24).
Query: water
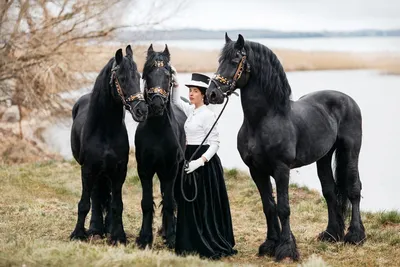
(377, 96)
(338, 44)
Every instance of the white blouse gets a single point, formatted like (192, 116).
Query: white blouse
(198, 124)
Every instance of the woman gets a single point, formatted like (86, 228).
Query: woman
(204, 226)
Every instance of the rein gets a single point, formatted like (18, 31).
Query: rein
(193, 175)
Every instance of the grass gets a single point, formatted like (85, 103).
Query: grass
(38, 206)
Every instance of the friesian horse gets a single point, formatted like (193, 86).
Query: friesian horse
(279, 134)
(100, 144)
(159, 141)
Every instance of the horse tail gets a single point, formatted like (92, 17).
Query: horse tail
(341, 173)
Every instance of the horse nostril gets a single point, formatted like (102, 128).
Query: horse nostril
(139, 112)
(213, 95)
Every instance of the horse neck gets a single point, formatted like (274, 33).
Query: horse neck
(257, 104)
(165, 120)
(104, 112)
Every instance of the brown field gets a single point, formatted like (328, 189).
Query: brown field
(186, 60)
(38, 207)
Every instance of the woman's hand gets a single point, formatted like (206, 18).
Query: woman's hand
(194, 165)
(174, 75)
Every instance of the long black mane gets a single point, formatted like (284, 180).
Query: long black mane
(268, 75)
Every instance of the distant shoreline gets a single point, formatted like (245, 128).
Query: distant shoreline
(200, 34)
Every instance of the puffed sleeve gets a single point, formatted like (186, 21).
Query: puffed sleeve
(213, 138)
(182, 105)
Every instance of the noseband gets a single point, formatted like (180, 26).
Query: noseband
(219, 79)
(131, 98)
(158, 91)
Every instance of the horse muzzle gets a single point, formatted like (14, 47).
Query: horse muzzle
(214, 95)
(139, 111)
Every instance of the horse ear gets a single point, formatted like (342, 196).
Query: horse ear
(227, 39)
(118, 56)
(150, 50)
(166, 50)
(129, 51)
(240, 42)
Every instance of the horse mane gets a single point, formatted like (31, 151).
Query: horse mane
(267, 74)
(101, 89)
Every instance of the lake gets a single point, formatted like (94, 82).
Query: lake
(378, 97)
(338, 44)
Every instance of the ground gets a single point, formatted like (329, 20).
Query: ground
(38, 207)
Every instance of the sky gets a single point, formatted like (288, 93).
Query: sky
(285, 15)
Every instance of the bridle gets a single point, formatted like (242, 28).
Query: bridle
(157, 90)
(242, 66)
(125, 101)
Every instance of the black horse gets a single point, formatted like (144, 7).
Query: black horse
(278, 134)
(157, 146)
(100, 144)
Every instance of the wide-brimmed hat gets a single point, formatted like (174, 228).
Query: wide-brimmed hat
(199, 80)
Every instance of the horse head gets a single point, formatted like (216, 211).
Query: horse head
(233, 71)
(125, 80)
(157, 75)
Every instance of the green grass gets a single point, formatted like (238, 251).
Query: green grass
(38, 207)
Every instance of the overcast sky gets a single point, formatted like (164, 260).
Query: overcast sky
(288, 15)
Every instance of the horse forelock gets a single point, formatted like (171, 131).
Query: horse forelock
(151, 59)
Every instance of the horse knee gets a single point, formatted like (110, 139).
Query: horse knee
(283, 211)
(84, 206)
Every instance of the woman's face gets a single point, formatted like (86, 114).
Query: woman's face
(195, 96)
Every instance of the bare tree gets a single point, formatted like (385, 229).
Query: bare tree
(45, 44)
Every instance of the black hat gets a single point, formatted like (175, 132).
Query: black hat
(199, 80)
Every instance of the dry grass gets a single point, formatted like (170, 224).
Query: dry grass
(38, 209)
(186, 60)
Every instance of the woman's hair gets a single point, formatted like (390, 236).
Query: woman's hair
(203, 92)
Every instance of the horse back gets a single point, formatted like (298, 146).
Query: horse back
(320, 119)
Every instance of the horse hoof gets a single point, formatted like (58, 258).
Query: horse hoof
(117, 240)
(328, 237)
(267, 248)
(170, 242)
(287, 249)
(78, 234)
(142, 242)
(95, 234)
(94, 238)
(355, 237)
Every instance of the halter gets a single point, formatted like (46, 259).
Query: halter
(219, 79)
(157, 90)
(131, 98)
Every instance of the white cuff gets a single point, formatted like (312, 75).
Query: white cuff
(211, 151)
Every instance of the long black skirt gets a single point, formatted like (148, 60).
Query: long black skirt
(204, 226)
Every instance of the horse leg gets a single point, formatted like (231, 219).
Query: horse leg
(168, 209)
(287, 247)
(335, 229)
(349, 180)
(146, 232)
(117, 227)
(84, 204)
(96, 227)
(263, 183)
